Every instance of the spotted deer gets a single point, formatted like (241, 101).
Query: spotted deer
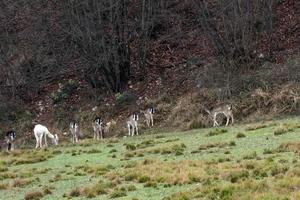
(225, 109)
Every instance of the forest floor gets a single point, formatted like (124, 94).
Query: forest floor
(244, 161)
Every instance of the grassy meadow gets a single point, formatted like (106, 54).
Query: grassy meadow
(252, 161)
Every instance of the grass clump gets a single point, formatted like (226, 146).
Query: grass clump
(4, 186)
(214, 145)
(33, 195)
(91, 191)
(130, 147)
(216, 131)
(21, 182)
(118, 193)
(255, 127)
(235, 176)
(250, 156)
(282, 130)
(240, 135)
(144, 179)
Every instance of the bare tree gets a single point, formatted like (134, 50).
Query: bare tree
(99, 30)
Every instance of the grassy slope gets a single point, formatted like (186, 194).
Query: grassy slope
(160, 165)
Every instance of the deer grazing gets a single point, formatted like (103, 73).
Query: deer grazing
(98, 129)
(225, 109)
(132, 124)
(108, 126)
(10, 137)
(149, 116)
(75, 131)
(41, 131)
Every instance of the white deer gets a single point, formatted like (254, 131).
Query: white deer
(132, 124)
(41, 131)
(75, 131)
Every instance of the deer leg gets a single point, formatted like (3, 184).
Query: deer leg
(227, 122)
(45, 137)
(152, 120)
(41, 141)
(128, 126)
(136, 129)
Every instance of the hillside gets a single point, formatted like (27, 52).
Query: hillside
(253, 161)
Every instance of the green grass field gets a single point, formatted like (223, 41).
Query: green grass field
(253, 161)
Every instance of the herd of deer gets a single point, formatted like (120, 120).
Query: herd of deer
(41, 132)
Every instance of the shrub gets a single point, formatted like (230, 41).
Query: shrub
(125, 98)
(64, 91)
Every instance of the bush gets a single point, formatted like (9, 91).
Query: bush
(125, 98)
(64, 91)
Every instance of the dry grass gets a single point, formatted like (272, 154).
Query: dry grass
(21, 182)
(255, 127)
(157, 171)
(290, 146)
(33, 195)
(91, 191)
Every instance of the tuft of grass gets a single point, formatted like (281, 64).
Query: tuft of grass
(240, 135)
(144, 179)
(93, 151)
(270, 151)
(255, 127)
(235, 176)
(33, 195)
(282, 130)
(151, 184)
(118, 193)
(215, 145)
(47, 190)
(250, 156)
(56, 178)
(130, 147)
(21, 182)
(216, 131)
(113, 151)
(4, 186)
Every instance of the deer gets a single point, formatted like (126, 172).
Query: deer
(97, 127)
(225, 109)
(41, 131)
(108, 126)
(149, 116)
(75, 131)
(132, 124)
(10, 138)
